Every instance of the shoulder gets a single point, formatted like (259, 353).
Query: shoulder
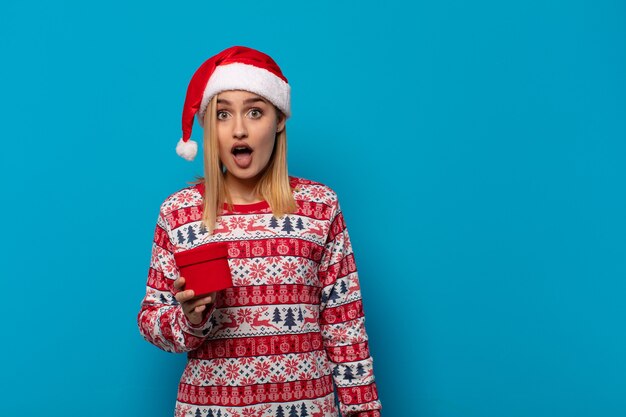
(185, 197)
(313, 191)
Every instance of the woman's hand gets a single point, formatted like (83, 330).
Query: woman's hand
(194, 308)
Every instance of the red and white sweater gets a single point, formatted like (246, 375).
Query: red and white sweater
(272, 345)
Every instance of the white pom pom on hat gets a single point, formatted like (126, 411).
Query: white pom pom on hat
(235, 68)
(187, 150)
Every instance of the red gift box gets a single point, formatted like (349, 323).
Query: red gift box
(205, 268)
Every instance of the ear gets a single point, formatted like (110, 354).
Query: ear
(280, 125)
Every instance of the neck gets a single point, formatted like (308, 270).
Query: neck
(241, 190)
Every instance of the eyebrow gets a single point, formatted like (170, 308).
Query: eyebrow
(247, 101)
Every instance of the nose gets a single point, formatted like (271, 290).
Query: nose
(239, 129)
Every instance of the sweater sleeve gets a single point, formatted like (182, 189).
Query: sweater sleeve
(161, 319)
(343, 324)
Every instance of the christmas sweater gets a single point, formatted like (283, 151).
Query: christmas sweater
(291, 328)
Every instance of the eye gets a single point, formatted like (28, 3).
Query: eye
(222, 115)
(255, 113)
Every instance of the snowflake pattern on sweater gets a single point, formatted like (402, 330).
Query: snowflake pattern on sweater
(291, 325)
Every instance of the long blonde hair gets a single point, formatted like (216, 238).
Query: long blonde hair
(273, 186)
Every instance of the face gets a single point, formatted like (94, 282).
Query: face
(247, 125)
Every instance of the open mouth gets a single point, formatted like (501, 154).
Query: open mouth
(242, 154)
(241, 150)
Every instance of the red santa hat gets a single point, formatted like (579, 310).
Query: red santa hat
(235, 68)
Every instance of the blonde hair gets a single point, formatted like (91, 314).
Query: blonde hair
(273, 186)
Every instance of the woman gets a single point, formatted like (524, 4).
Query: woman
(291, 327)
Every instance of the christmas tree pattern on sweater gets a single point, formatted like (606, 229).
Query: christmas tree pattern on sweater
(291, 325)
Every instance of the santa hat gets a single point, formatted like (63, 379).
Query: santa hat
(235, 68)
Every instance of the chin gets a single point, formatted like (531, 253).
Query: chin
(246, 174)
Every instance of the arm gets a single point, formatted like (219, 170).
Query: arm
(161, 319)
(343, 325)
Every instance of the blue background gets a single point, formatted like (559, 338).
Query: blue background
(478, 149)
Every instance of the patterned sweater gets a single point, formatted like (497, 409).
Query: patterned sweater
(291, 325)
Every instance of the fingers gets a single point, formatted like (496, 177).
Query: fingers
(199, 302)
(190, 304)
(179, 283)
(192, 307)
(188, 295)
(184, 296)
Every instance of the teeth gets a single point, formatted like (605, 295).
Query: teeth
(239, 149)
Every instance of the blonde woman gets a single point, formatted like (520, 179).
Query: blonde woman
(291, 328)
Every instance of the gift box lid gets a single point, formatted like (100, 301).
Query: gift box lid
(203, 253)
